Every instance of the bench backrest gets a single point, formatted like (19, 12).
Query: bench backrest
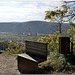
(36, 49)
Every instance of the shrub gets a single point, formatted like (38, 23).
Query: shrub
(14, 48)
(52, 40)
(56, 61)
(3, 45)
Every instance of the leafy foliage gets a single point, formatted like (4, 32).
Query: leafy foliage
(14, 48)
(52, 40)
(72, 24)
(57, 16)
(3, 45)
(56, 61)
(70, 7)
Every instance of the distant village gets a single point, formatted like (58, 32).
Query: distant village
(26, 33)
(20, 33)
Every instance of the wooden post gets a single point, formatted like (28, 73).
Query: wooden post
(64, 45)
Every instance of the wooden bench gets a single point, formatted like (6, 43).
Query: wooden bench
(36, 52)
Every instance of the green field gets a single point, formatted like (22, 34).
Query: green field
(16, 36)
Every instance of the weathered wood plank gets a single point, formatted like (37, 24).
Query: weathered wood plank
(39, 45)
(31, 58)
(36, 48)
(36, 44)
(36, 52)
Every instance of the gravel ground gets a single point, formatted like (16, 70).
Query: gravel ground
(8, 64)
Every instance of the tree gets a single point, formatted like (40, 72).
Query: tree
(29, 30)
(64, 14)
(57, 15)
(70, 7)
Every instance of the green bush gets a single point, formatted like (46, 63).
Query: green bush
(56, 61)
(52, 40)
(14, 48)
(3, 45)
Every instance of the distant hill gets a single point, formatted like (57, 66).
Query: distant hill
(34, 26)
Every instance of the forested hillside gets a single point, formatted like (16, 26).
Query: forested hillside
(34, 26)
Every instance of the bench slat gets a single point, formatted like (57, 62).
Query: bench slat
(36, 44)
(34, 52)
(36, 48)
(24, 55)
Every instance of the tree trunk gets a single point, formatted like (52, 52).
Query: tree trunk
(60, 27)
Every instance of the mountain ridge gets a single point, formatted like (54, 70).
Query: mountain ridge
(34, 26)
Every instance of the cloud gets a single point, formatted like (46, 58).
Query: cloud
(52, 3)
(24, 11)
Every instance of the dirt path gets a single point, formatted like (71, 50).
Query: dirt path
(8, 65)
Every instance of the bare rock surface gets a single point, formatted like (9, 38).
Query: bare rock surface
(8, 64)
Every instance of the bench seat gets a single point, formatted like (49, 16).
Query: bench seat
(32, 58)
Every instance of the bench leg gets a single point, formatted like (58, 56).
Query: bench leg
(27, 66)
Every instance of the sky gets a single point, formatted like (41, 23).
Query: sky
(14, 11)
